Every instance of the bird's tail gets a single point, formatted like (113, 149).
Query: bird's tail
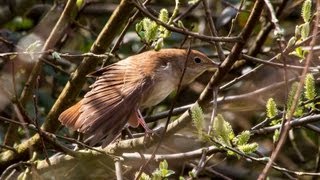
(69, 117)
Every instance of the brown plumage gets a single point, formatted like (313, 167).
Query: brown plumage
(122, 88)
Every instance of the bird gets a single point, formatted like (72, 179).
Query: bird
(124, 88)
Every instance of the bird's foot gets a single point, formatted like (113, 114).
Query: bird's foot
(148, 132)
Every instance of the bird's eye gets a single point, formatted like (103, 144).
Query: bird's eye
(197, 60)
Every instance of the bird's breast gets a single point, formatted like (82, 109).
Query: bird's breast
(165, 81)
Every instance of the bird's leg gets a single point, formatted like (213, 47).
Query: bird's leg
(142, 122)
(137, 119)
(146, 128)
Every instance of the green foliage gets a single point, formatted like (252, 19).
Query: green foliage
(242, 138)
(310, 90)
(292, 92)
(139, 27)
(80, 3)
(198, 119)
(241, 142)
(248, 148)
(192, 174)
(180, 24)
(223, 130)
(276, 135)
(19, 23)
(272, 110)
(150, 28)
(292, 41)
(299, 52)
(152, 33)
(306, 11)
(309, 94)
(159, 44)
(164, 15)
(144, 176)
(224, 135)
(303, 30)
(161, 173)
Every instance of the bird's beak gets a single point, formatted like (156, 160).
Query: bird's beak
(214, 66)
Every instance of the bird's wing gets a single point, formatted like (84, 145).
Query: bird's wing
(106, 108)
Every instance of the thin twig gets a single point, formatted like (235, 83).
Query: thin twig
(173, 156)
(263, 161)
(184, 31)
(188, 11)
(201, 164)
(213, 30)
(293, 123)
(221, 56)
(236, 17)
(50, 52)
(36, 123)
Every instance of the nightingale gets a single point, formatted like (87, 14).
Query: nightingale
(122, 88)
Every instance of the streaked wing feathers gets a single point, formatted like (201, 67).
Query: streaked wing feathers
(113, 98)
